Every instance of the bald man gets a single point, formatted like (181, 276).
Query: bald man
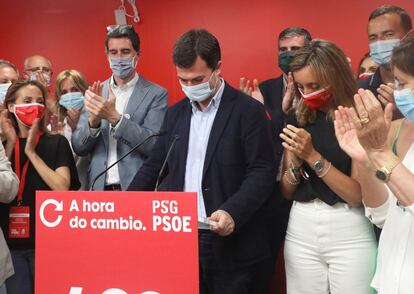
(38, 67)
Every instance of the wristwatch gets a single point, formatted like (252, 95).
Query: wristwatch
(318, 165)
(384, 173)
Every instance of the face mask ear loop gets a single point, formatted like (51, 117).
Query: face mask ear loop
(406, 35)
(215, 84)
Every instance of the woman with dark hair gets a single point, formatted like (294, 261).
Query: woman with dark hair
(384, 152)
(42, 161)
(366, 67)
(330, 246)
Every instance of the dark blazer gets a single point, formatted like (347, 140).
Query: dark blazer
(238, 177)
(272, 91)
(371, 83)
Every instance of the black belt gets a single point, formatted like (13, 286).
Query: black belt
(113, 187)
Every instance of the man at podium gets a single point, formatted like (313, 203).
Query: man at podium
(218, 145)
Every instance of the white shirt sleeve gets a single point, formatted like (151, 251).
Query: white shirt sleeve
(113, 129)
(409, 208)
(377, 215)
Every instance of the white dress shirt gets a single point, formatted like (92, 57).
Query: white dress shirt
(122, 94)
(395, 263)
(200, 128)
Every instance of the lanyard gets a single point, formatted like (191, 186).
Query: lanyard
(22, 176)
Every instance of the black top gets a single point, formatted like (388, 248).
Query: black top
(55, 151)
(371, 83)
(325, 142)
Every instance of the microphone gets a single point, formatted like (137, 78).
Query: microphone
(160, 133)
(176, 138)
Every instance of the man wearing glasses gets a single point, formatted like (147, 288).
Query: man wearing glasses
(120, 113)
(37, 67)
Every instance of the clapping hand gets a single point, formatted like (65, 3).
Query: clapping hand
(31, 139)
(299, 142)
(347, 136)
(371, 122)
(287, 101)
(253, 92)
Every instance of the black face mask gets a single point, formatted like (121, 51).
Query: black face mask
(284, 60)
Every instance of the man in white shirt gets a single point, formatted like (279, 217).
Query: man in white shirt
(224, 153)
(120, 113)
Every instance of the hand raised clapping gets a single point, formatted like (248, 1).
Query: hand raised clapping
(365, 128)
(299, 142)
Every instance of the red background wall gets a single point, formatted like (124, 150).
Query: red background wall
(71, 32)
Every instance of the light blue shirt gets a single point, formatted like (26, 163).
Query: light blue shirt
(200, 128)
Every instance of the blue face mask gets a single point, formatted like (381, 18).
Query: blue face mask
(72, 100)
(122, 67)
(404, 99)
(3, 91)
(200, 92)
(381, 51)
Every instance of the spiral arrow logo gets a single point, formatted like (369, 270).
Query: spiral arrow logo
(58, 207)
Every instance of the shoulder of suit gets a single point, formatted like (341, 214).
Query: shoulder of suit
(178, 106)
(242, 100)
(272, 81)
(153, 85)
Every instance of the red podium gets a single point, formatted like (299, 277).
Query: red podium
(116, 242)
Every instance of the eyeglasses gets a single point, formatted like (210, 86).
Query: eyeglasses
(39, 68)
(112, 28)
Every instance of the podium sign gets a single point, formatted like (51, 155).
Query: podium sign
(116, 242)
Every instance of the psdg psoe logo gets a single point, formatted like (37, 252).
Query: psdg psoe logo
(58, 207)
(78, 290)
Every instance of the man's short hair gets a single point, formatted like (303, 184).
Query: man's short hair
(6, 63)
(196, 43)
(387, 9)
(293, 32)
(123, 31)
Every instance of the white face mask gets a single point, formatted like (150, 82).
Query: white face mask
(3, 91)
(200, 92)
(381, 51)
(46, 76)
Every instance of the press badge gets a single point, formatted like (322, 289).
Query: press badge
(19, 222)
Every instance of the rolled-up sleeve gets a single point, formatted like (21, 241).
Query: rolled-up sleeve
(409, 208)
(378, 215)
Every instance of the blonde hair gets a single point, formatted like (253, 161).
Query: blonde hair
(331, 69)
(77, 78)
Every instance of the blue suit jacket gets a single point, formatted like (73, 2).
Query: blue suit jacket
(238, 177)
(143, 116)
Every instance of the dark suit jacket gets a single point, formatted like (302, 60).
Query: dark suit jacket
(371, 83)
(272, 91)
(238, 176)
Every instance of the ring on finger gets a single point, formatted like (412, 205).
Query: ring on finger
(364, 120)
